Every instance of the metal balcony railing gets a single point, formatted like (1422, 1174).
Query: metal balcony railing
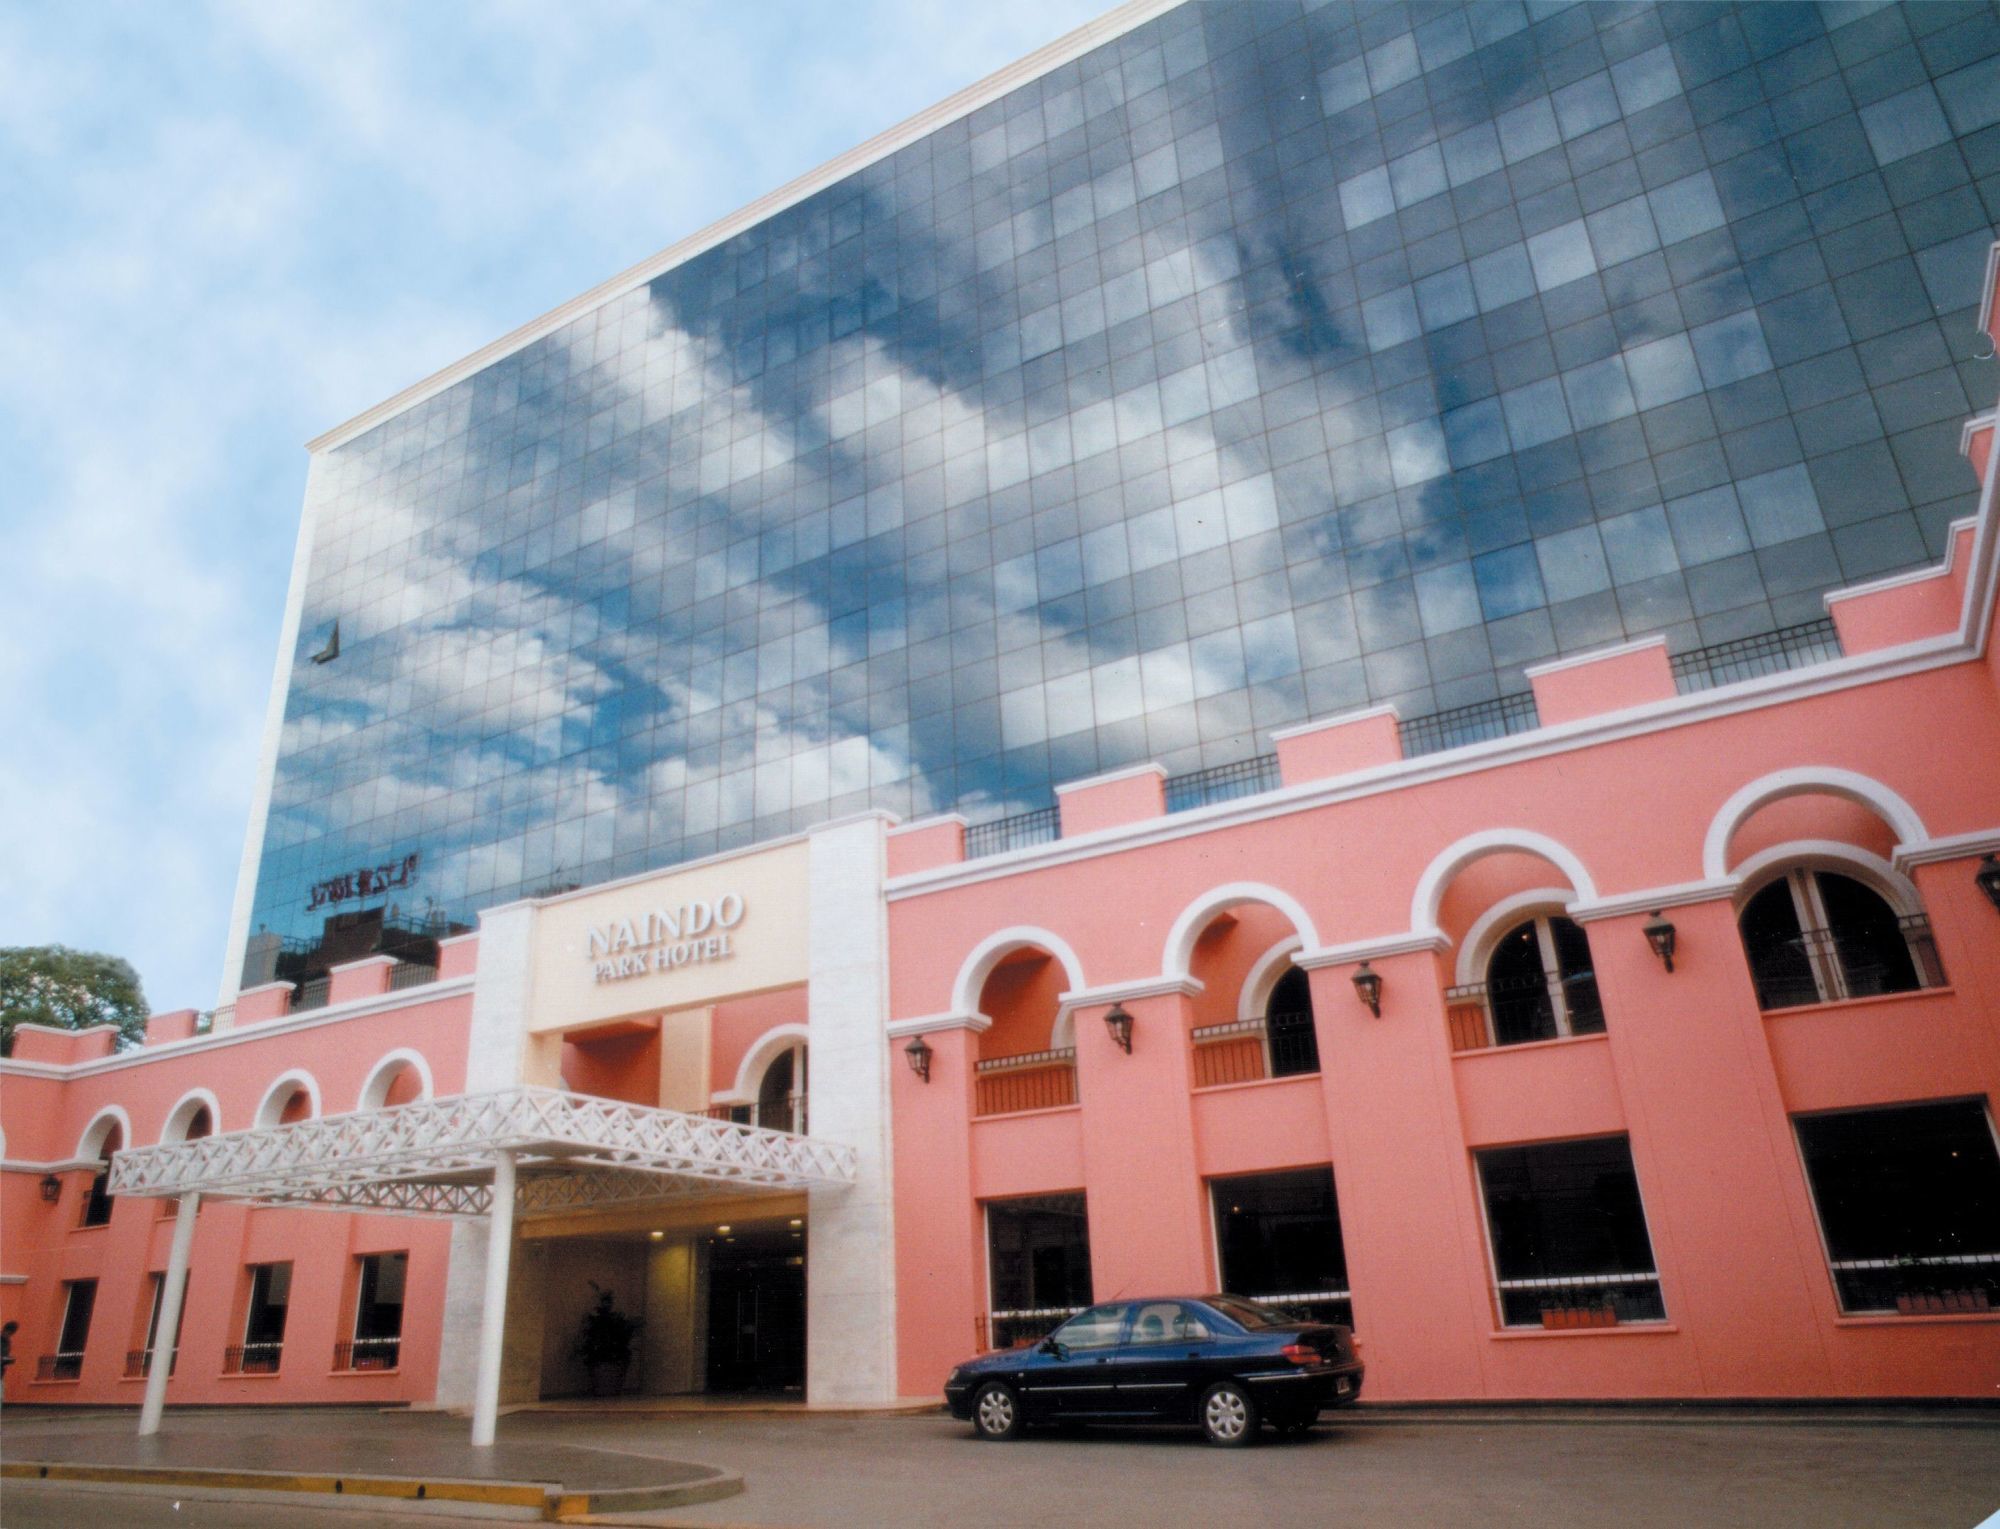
(1277, 1046)
(368, 1354)
(1829, 965)
(1042, 826)
(1923, 1284)
(59, 1367)
(1516, 1010)
(1748, 658)
(1581, 1300)
(1480, 722)
(1222, 783)
(1320, 1305)
(408, 974)
(252, 1358)
(312, 995)
(1012, 1329)
(139, 1363)
(1035, 1080)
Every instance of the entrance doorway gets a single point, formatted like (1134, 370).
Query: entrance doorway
(757, 1308)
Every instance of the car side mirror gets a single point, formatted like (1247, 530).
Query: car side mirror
(1051, 1347)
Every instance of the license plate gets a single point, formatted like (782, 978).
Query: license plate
(1340, 1386)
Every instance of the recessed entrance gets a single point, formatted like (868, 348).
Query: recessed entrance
(717, 1305)
(757, 1308)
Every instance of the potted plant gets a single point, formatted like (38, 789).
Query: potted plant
(604, 1344)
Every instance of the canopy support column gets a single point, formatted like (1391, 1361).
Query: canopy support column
(167, 1327)
(493, 1313)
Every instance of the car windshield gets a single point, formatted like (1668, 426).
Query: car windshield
(1250, 1314)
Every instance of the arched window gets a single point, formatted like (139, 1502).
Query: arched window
(1540, 984)
(781, 1095)
(97, 1206)
(1288, 1026)
(1816, 936)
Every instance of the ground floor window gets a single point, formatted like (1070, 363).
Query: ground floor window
(139, 1362)
(264, 1323)
(378, 1315)
(1909, 1204)
(1277, 1239)
(1569, 1240)
(1038, 1266)
(66, 1363)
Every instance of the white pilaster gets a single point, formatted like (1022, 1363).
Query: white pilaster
(850, 1238)
(501, 1002)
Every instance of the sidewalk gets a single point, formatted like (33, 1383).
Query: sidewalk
(397, 1456)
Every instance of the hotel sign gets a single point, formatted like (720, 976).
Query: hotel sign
(674, 939)
(660, 939)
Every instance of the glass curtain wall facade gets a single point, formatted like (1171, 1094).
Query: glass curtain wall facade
(1266, 362)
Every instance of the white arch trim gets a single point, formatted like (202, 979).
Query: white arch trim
(90, 1145)
(1869, 869)
(272, 1105)
(375, 1092)
(762, 1053)
(1429, 895)
(997, 947)
(1178, 956)
(1808, 779)
(181, 1116)
(1491, 926)
(1263, 977)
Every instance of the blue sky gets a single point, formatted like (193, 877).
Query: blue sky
(225, 228)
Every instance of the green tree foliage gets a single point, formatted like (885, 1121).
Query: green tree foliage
(69, 990)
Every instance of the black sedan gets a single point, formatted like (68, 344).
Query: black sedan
(1224, 1362)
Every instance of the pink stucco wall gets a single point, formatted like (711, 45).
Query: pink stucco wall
(1701, 1081)
(46, 1118)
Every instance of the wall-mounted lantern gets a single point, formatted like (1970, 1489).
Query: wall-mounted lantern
(1988, 877)
(918, 1054)
(1660, 935)
(1368, 986)
(1119, 1023)
(51, 1189)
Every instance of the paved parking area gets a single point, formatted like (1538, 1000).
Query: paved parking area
(1766, 1470)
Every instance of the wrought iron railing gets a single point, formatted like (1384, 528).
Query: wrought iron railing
(1748, 658)
(1480, 722)
(139, 1363)
(1827, 965)
(1222, 783)
(59, 1367)
(1035, 1080)
(1581, 1300)
(1012, 1329)
(312, 994)
(407, 974)
(1920, 1285)
(1515, 1010)
(1276, 1046)
(1042, 826)
(1231, 1053)
(1319, 1305)
(367, 1354)
(252, 1358)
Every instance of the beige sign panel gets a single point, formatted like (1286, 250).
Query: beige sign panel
(673, 941)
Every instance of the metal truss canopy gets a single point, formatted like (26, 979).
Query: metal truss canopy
(436, 1158)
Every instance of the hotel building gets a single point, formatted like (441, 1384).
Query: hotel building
(1338, 652)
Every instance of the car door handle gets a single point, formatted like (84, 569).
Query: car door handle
(1194, 1353)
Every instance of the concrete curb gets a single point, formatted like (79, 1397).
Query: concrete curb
(548, 1502)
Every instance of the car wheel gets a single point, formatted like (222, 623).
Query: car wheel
(995, 1412)
(1228, 1416)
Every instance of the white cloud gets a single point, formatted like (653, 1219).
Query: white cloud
(245, 223)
